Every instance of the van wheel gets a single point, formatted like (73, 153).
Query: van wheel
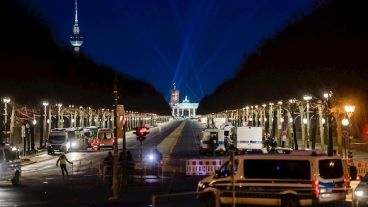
(290, 201)
(15, 179)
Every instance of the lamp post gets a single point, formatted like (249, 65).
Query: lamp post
(59, 105)
(345, 124)
(307, 98)
(349, 109)
(328, 96)
(270, 120)
(45, 104)
(6, 101)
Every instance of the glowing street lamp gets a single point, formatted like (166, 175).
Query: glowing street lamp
(45, 104)
(6, 101)
(307, 98)
(345, 122)
(349, 109)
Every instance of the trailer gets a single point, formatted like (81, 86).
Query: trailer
(247, 138)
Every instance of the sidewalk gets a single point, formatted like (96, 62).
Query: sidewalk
(34, 158)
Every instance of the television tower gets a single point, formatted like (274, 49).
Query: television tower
(76, 40)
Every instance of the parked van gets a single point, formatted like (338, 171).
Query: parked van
(279, 180)
(10, 168)
(57, 141)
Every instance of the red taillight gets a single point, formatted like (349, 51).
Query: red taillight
(315, 184)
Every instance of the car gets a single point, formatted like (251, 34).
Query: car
(10, 165)
(360, 196)
(104, 139)
(302, 179)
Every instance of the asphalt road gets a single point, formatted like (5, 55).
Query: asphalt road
(43, 185)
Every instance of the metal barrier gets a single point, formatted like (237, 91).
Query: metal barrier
(362, 168)
(203, 166)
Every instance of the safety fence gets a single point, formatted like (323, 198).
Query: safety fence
(142, 171)
(203, 166)
(362, 168)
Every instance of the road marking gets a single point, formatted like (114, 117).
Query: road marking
(168, 144)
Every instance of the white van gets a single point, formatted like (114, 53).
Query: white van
(279, 180)
(10, 168)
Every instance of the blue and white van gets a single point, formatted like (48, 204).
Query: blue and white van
(10, 165)
(299, 179)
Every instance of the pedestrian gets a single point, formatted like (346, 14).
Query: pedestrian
(109, 159)
(130, 166)
(108, 166)
(63, 160)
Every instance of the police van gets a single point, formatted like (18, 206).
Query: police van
(10, 166)
(295, 179)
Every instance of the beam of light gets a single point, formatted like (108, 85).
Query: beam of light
(149, 40)
(236, 24)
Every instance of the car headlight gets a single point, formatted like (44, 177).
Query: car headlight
(74, 144)
(359, 193)
(201, 186)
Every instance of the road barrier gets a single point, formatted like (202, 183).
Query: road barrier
(203, 166)
(362, 168)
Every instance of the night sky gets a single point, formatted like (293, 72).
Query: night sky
(195, 43)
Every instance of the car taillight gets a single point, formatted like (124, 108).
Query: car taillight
(315, 184)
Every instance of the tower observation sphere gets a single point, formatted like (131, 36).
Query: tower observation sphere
(76, 40)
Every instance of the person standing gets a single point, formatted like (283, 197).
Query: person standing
(130, 166)
(63, 160)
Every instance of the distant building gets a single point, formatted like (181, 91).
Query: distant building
(174, 99)
(76, 40)
(185, 108)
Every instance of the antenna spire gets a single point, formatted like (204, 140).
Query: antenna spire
(76, 12)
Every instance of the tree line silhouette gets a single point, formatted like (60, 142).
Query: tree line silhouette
(323, 50)
(34, 67)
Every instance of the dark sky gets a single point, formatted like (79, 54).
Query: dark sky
(195, 43)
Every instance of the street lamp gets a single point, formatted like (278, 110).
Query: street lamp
(45, 104)
(307, 98)
(349, 109)
(328, 96)
(6, 101)
(59, 105)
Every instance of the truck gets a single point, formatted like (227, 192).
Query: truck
(57, 141)
(215, 141)
(65, 140)
(247, 138)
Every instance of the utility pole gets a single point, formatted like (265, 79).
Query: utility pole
(115, 180)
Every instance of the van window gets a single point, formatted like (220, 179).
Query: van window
(104, 135)
(57, 138)
(277, 169)
(330, 168)
(11, 155)
(225, 169)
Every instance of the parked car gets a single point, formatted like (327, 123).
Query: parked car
(10, 168)
(104, 139)
(302, 179)
(361, 192)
